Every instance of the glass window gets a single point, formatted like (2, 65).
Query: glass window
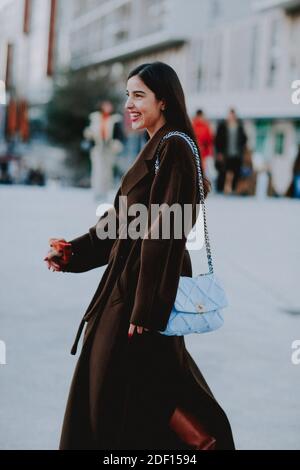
(262, 130)
(152, 15)
(279, 143)
(294, 61)
(274, 53)
(297, 126)
(216, 63)
(253, 57)
(197, 58)
(215, 9)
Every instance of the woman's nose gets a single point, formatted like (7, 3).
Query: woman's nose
(128, 103)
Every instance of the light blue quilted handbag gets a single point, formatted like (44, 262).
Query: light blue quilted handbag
(199, 299)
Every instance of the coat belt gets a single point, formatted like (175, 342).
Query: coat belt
(84, 320)
(77, 338)
(89, 315)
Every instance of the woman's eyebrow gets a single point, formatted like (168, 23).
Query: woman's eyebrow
(137, 91)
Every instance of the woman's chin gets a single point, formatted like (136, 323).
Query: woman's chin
(137, 126)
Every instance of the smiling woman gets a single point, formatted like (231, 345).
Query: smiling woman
(146, 112)
(129, 378)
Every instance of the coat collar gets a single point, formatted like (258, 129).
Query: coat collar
(143, 163)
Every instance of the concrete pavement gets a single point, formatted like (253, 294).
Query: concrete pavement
(247, 363)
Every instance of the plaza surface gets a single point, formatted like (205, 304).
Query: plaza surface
(247, 363)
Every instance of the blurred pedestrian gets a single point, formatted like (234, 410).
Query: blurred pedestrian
(105, 133)
(5, 177)
(294, 188)
(36, 176)
(230, 145)
(204, 136)
(246, 182)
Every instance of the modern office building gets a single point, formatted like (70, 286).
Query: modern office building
(228, 53)
(251, 63)
(33, 42)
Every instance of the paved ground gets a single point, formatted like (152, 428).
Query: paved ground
(247, 363)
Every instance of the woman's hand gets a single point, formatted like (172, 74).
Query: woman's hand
(132, 327)
(56, 256)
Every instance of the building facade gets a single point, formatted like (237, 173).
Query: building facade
(34, 42)
(118, 34)
(227, 53)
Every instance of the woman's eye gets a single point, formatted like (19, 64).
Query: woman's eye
(135, 96)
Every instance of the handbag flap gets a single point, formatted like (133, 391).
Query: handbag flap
(200, 294)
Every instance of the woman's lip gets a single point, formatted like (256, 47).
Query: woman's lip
(134, 117)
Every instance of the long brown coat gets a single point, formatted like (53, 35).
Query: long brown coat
(124, 391)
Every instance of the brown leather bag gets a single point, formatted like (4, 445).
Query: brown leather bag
(190, 431)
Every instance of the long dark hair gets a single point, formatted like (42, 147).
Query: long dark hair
(165, 84)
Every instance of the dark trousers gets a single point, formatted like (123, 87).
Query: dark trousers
(233, 164)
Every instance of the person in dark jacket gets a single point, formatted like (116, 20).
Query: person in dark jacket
(294, 187)
(230, 143)
(130, 378)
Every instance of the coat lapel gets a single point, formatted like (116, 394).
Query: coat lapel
(144, 162)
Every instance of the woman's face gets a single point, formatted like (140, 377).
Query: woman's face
(144, 109)
(106, 107)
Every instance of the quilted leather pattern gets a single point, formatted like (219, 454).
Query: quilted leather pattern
(197, 306)
(205, 290)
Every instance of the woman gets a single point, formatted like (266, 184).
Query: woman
(129, 377)
(230, 144)
(104, 130)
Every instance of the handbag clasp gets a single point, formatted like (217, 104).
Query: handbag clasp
(200, 308)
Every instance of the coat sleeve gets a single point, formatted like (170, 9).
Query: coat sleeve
(161, 258)
(90, 251)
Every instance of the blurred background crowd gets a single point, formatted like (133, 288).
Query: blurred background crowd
(63, 69)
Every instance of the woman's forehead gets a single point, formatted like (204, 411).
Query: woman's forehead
(136, 84)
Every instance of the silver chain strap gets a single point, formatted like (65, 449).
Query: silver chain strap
(194, 149)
